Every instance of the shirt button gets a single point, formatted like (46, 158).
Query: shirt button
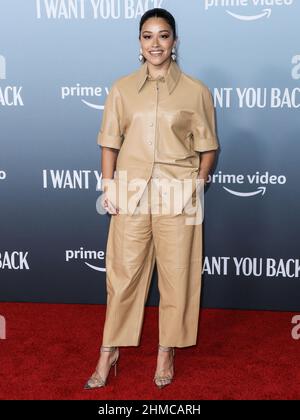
(151, 124)
(149, 142)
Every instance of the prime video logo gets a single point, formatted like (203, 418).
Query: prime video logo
(82, 254)
(246, 15)
(81, 92)
(257, 183)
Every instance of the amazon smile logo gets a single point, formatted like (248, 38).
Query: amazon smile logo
(249, 185)
(264, 13)
(260, 9)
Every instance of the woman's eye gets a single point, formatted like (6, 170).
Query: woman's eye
(163, 36)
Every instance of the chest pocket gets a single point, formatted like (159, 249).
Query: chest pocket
(175, 132)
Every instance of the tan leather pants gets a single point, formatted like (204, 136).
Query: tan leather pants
(134, 243)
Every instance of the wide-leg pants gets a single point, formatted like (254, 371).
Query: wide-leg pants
(135, 242)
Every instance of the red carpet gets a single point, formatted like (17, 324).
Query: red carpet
(51, 350)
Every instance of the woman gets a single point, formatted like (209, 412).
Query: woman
(158, 124)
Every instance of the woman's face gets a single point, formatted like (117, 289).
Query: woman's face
(157, 40)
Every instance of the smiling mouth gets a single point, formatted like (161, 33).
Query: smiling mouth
(155, 53)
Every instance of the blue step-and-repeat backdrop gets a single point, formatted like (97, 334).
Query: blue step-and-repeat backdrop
(58, 60)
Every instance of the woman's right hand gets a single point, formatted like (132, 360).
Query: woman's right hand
(108, 205)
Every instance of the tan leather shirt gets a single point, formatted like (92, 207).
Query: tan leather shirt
(159, 125)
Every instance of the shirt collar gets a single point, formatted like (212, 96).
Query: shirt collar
(171, 78)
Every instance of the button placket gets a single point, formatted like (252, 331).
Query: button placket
(155, 127)
(154, 124)
(151, 124)
(155, 172)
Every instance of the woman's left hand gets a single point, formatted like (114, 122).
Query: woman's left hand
(203, 175)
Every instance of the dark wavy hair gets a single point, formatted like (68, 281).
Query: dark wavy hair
(158, 12)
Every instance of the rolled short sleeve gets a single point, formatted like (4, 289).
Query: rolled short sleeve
(110, 134)
(204, 129)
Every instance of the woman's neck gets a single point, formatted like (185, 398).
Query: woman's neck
(159, 70)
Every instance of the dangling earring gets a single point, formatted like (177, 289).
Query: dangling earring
(173, 54)
(141, 55)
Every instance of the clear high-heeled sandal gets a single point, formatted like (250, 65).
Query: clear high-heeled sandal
(96, 381)
(160, 379)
